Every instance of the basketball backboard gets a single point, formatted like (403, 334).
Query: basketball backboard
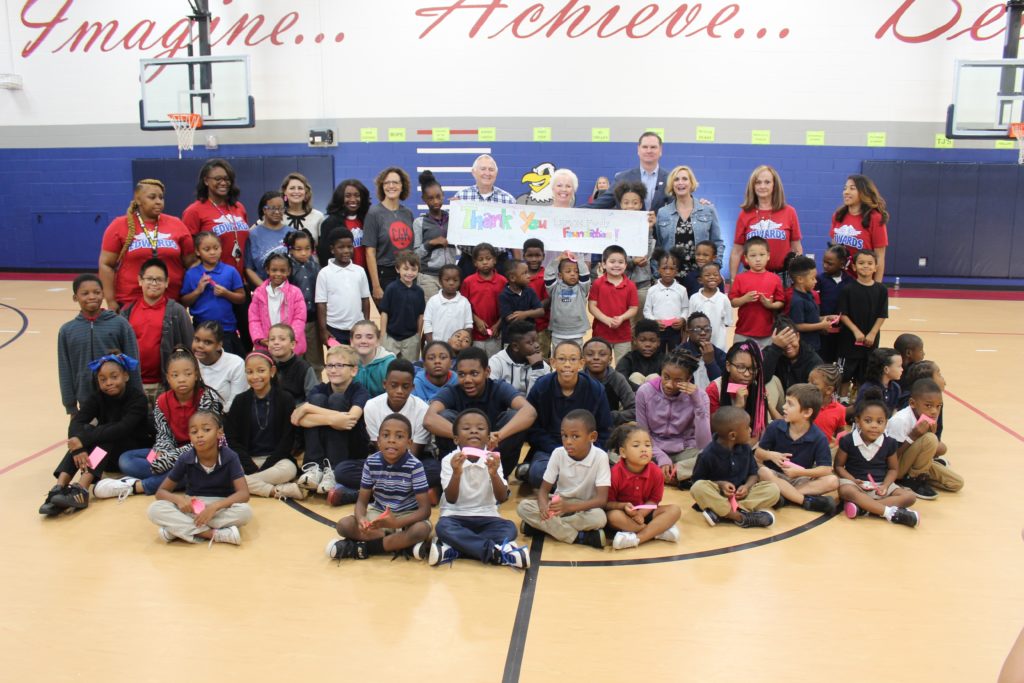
(216, 88)
(988, 95)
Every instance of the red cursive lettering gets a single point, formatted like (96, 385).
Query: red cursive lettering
(990, 16)
(47, 25)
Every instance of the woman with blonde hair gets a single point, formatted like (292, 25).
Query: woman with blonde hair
(766, 214)
(298, 205)
(686, 220)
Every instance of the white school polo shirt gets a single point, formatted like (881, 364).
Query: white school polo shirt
(578, 478)
(376, 409)
(476, 497)
(444, 317)
(343, 290)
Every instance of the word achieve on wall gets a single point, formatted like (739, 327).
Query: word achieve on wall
(578, 230)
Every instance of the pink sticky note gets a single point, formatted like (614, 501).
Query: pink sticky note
(197, 506)
(835, 323)
(96, 457)
(554, 499)
(733, 505)
(859, 343)
(926, 419)
(331, 342)
(474, 452)
(669, 322)
(153, 455)
(790, 463)
(649, 506)
(490, 332)
(733, 387)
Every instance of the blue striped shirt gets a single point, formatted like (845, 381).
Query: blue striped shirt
(394, 486)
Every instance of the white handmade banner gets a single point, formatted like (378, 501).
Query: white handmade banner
(578, 230)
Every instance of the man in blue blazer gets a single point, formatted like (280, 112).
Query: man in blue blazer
(649, 173)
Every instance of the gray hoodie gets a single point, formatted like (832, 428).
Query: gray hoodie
(568, 304)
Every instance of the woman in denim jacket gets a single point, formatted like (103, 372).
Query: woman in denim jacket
(686, 221)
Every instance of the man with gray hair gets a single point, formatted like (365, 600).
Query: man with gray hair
(485, 172)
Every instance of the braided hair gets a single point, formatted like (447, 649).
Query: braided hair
(133, 210)
(681, 358)
(757, 400)
(832, 374)
(182, 352)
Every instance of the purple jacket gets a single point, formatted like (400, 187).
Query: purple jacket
(293, 313)
(675, 424)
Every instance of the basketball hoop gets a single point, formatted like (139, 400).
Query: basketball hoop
(185, 128)
(1017, 133)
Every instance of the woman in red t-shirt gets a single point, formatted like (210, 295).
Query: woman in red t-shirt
(765, 214)
(218, 210)
(347, 209)
(144, 232)
(860, 223)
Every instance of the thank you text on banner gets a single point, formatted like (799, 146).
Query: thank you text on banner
(578, 230)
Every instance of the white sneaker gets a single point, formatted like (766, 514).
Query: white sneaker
(327, 480)
(625, 539)
(115, 488)
(228, 534)
(289, 490)
(670, 534)
(310, 477)
(512, 555)
(165, 535)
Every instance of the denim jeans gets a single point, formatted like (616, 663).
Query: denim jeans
(134, 464)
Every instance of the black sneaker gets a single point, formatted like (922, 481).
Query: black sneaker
(48, 507)
(905, 517)
(819, 504)
(528, 530)
(941, 459)
(339, 549)
(710, 517)
(780, 503)
(523, 472)
(594, 538)
(761, 518)
(920, 486)
(73, 497)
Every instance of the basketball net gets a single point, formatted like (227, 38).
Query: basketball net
(1017, 133)
(185, 128)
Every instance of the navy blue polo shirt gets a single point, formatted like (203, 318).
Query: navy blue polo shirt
(198, 482)
(802, 309)
(496, 398)
(718, 463)
(510, 302)
(810, 450)
(404, 306)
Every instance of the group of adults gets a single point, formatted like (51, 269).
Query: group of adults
(386, 227)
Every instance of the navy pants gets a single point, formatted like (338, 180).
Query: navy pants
(334, 445)
(476, 536)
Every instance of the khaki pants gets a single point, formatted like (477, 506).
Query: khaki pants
(762, 495)
(621, 349)
(262, 483)
(409, 348)
(566, 528)
(430, 284)
(166, 514)
(917, 460)
(314, 354)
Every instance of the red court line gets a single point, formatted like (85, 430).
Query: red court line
(24, 275)
(978, 412)
(983, 294)
(32, 457)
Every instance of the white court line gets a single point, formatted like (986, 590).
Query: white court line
(987, 350)
(9, 298)
(13, 331)
(918, 320)
(453, 150)
(894, 308)
(950, 334)
(57, 289)
(445, 169)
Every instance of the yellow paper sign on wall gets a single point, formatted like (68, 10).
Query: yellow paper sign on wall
(487, 134)
(441, 135)
(600, 134)
(815, 137)
(760, 137)
(876, 139)
(705, 133)
(542, 134)
(367, 135)
(396, 134)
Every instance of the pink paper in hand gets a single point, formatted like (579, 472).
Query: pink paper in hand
(554, 499)
(733, 505)
(926, 419)
(153, 455)
(96, 457)
(197, 506)
(646, 506)
(332, 342)
(835, 323)
(859, 343)
(471, 452)
(733, 387)
(669, 322)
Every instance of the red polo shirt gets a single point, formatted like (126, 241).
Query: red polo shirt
(613, 300)
(831, 420)
(483, 299)
(148, 323)
(537, 284)
(629, 487)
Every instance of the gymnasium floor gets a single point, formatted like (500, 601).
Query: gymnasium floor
(97, 596)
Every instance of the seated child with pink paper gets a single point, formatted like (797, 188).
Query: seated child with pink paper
(725, 484)
(580, 469)
(121, 414)
(667, 301)
(867, 465)
(915, 428)
(473, 489)
(392, 512)
(145, 469)
(634, 508)
(743, 385)
(676, 415)
(216, 500)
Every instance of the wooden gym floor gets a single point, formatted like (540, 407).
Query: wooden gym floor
(97, 595)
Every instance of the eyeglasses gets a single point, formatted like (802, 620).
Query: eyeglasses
(745, 369)
(701, 330)
(154, 280)
(219, 179)
(338, 366)
(273, 209)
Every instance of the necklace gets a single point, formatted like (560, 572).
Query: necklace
(151, 238)
(262, 424)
